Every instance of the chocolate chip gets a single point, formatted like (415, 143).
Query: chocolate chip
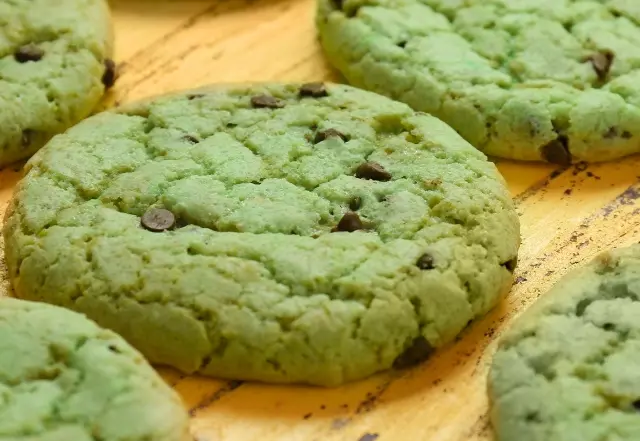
(626, 135)
(418, 352)
(158, 219)
(109, 76)
(113, 348)
(373, 171)
(612, 132)
(401, 44)
(266, 101)
(193, 96)
(28, 52)
(329, 133)
(601, 62)
(636, 405)
(510, 264)
(191, 139)
(314, 90)
(557, 151)
(350, 222)
(582, 306)
(27, 134)
(425, 262)
(355, 203)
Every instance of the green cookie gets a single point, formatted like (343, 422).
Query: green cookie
(553, 80)
(54, 68)
(569, 369)
(284, 233)
(62, 378)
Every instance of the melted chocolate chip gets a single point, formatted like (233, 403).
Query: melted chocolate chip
(313, 90)
(329, 133)
(373, 171)
(425, 262)
(266, 102)
(511, 264)
(110, 74)
(355, 203)
(601, 62)
(557, 151)
(191, 139)
(418, 352)
(158, 220)
(626, 135)
(28, 52)
(350, 222)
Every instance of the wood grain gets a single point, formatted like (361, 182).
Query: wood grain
(568, 215)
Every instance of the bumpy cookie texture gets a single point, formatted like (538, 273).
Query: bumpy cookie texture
(269, 232)
(62, 378)
(552, 80)
(53, 60)
(569, 368)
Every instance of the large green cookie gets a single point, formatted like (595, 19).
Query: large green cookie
(554, 80)
(54, 68)
(251, 282)
(569, 369)
(62, 378)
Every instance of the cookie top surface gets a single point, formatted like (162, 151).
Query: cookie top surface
(568, 369)
(285, 224)
(553, 80)
(64, 378)
(52, 64)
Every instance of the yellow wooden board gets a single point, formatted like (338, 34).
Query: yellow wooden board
(567, 216)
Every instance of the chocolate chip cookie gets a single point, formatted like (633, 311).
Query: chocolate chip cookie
(555, 81)
(54, 67)
(310, 233)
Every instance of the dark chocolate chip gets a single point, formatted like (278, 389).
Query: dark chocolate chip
(158, 219)
(329, 133)
(193, 96)
(418, 352)
(191, 139)
(27, 134)
(608, 326)
(314, 90)
(612, 132)
(557, 151)
(511, 264)
(350, 222)
(636, 405)
(110, 74)
(337, 3)
(582, 306)
(626, 135)
(425, 262)
(355, 203)
(401, 44)
(114, 348)
(231, 125)
(601, 62)
(373, 171)
(266, 101)
(28, 52)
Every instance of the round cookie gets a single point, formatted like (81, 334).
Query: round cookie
(552, 80)
(569, 367)
(54, 68)
(285, 233)
(62, 378)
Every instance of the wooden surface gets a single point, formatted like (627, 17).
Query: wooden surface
(567, 216)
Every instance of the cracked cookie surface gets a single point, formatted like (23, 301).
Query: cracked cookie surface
(54, 68)
(552, 80)
(284, 233)
(63, 378)
(568, 369)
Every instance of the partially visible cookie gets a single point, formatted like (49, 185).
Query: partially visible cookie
(569, 369)
(311, 233)
(62, 378)
(54, 68)
(555, 81)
